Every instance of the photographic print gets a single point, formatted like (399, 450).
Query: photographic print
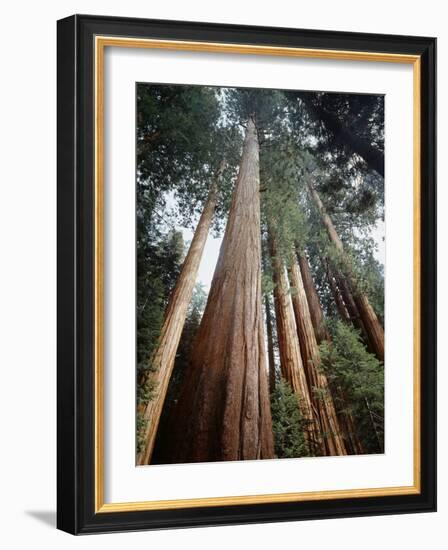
(260, 274)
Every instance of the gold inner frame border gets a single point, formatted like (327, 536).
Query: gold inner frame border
(101, 42)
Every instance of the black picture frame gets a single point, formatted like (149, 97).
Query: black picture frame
(76, 263)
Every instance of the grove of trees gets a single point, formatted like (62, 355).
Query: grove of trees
(283, 356)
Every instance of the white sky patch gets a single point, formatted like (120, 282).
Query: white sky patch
(209, 257)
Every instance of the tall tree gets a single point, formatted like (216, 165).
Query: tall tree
(373, 328)
(320, 391)
(315, 308)
(344, 413)
(337, 296)
(162, 361)
(292, 367)
(224, 411)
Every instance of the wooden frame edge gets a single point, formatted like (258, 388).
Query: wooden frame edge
(107, 41)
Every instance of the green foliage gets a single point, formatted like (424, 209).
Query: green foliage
(287, 423)
(140, 430)
(265, 107)
(360, 376)
(158, 266)
(361, 114)
(175, 130)
(282, 192)
(183, 135)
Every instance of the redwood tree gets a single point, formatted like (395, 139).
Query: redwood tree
(320, 391)
(223, 411)
(373, 328)
(346, 421)
(292, 366)
(316, 313)
(162, 361)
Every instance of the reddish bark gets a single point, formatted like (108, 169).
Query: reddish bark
(320, 392)
(316, 313)
(224, 410)
(337, 297)
(292, 367)
(346, 421)
(373, 329)
(162, 360)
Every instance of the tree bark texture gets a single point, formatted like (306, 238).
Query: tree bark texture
(292, 367)
(373, 329)
(337, 297)
(316, 312)
(162, 361)
(319, 388)
(223, 411)
(346, 421)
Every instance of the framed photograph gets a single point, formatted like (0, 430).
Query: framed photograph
(246, 274)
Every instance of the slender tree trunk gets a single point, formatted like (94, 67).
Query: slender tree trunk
(316, 313)
(373, 157)
(352, 309)
(292, 366)
(224, 410)
(317, 381)
(373, 328)
(270, 338)
(337, 297)
(346, 421)
(162, 361)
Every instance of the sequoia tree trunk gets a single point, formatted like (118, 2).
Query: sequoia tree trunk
(352, 308)
(337, 297)
(316, 313)
(320, 392)
(162, 360)
(346, 421)
(373, 328)
(292, 367)
(223, 411)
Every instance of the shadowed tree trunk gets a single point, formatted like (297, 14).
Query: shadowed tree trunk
(316, 313)
(337, 297)
(162, 361)
(270, 338)
(223, 411)
(346, 421)
(292, 367)
(320, 392)
(351, 307)
(373, 329)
